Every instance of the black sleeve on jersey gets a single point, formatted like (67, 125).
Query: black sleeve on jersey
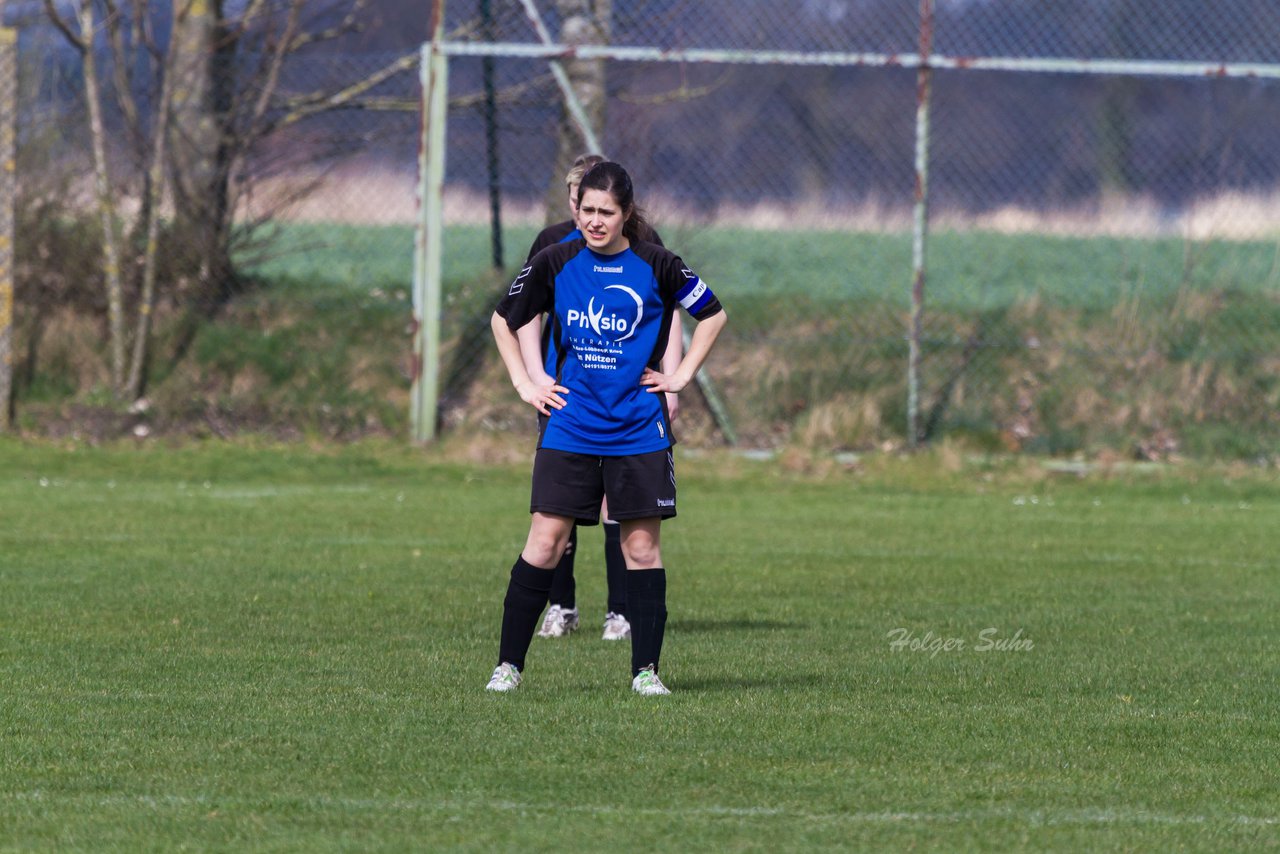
(534, 290)
(529, 295)
(550, 236)
(672, 275)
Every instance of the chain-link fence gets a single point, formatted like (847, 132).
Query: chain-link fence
(1099, 269)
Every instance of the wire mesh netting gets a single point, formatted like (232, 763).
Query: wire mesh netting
(1099, 257)
(1100, 262)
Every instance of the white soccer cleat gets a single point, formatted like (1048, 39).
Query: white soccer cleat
(648, 684)
(568, 620)
(506, 677)
(559, 622)
(550, 623)
(616, 627)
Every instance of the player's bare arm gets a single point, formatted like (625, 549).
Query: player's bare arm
(541, 396)
(704, 337)
(530, 336)
(671, 361)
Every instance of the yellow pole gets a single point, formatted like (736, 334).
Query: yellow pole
(8, 118)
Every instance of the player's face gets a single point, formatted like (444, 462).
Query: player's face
(601, 219)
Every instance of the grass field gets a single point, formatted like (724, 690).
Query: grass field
(968, 270)
(283, 648)
(1098, 347)
(1052, 344)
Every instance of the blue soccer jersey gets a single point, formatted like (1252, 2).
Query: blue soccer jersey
(562, 232)
(611, 316)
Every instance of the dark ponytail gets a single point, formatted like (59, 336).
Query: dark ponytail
(614, 180)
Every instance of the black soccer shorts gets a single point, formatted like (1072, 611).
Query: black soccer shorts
(638, 486)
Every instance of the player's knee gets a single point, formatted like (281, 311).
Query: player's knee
(543, 549)
(642, 552)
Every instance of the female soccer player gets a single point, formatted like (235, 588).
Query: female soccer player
(539, 359)
(607, 434)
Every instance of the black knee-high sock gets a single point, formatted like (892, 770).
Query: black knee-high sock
(563, 586)
(615, 567)
(647, 606)
(526, 597)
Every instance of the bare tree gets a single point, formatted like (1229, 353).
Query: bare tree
(215, 100)
(152, 196)
(583, 22)
(236, 105)
(82, 34)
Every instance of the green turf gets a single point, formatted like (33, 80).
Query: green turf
(967, 270)
(1053, 345)
(244, 648)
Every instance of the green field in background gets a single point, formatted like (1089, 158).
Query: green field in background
(966, 270)
(221, 647)
(1054, 345)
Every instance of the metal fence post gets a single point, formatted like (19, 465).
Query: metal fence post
(920, 226)
(491, 139)
(427, 261)
(8, 119)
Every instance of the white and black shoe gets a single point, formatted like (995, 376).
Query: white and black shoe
(648, 683)
(616, 627)
(506, 677)
(559, 622)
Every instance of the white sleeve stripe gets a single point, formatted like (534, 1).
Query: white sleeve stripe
(691, 298)
(518, 285)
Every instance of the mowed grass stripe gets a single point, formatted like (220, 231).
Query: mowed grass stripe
(244, 681)
(1093, 816)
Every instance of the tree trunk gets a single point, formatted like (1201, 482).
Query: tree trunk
(106, 203)
(221, 205)
(155, 184)
(583, 22)
(201, 143)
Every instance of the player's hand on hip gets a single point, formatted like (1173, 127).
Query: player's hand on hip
(656, 382)
(542, 396)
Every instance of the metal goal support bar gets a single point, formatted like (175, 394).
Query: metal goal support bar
(1042, 65)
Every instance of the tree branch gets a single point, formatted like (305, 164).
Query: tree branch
(121, 75)
(251, 12)
(347, 25)
(276, 62)
(309, 105)
(64, 27)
